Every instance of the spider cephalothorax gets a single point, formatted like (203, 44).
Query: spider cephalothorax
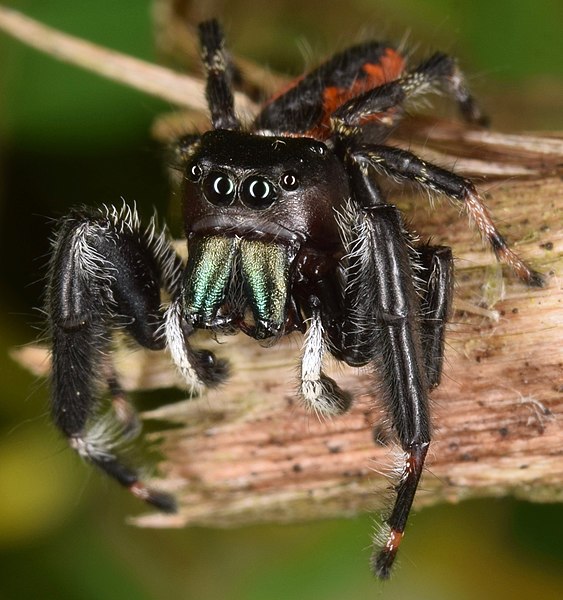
(287, 230)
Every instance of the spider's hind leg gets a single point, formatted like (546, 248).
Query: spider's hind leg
(384, 104)
(444, 70)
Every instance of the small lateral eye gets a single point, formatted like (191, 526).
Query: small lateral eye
(258, 192)
(194, 172)
(289, 181)
(219, 188)
(319, 149)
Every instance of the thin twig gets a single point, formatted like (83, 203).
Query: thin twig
(182, 90)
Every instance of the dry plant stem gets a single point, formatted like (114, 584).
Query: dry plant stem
(483, 152)
(181, 90)
(249, 452)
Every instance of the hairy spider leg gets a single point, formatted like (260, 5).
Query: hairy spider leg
(444, 69)
(219, 72)
(383, 104)
(387, 285)
(382, 304)
(435, 272)
(436, 303)
(404, 166)
(353, 341)
(102, 275)
(106, 273)
(437, 275)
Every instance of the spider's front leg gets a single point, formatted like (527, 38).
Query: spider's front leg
(384, 325)
(107, 273)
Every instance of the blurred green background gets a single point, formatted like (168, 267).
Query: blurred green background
(68, 137)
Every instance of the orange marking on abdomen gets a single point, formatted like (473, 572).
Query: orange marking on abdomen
(389, 67)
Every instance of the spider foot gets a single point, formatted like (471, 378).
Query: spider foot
(160, 500)
(212, 371)
(388, 541)
(382, 560)
(92, 448)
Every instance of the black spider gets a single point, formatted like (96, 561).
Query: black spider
(287, 229)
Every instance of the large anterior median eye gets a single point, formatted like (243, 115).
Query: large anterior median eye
(258, 192)
(219, 188)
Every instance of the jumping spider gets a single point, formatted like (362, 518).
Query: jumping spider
(287, 229)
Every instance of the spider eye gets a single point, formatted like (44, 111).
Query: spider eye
(219, 188)
(258, 192)
(289, 181)
(319, 149)
(194, 172)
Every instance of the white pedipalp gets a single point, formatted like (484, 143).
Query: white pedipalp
(318, 391)
(178, 347)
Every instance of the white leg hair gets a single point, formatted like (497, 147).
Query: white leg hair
(318, 391)
(179, 348)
